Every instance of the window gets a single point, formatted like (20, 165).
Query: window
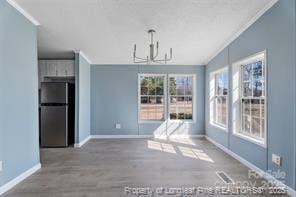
(181, 97)
(151, 99)
(248, 100)
(221, 98)
(253, 99)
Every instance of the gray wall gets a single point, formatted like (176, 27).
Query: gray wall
(84, 99)
(275, 32)
(19, 94)
(114, 98)
(82, 113)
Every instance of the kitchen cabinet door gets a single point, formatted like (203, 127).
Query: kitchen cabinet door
(65, 68)
(70, 68)
(42, 69)
(51, 70)
(56, 68)
(61, 69)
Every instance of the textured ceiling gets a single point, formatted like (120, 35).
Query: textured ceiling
(105, 30)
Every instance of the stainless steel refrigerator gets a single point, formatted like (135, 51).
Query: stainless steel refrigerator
(57, 114)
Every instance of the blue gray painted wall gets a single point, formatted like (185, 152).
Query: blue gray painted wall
(84, 99)
(114, 99)
(19, 94)
(275, 32)
(82, 113)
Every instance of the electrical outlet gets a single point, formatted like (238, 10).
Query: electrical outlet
(118, 126)
(276, 159)
(1, 166)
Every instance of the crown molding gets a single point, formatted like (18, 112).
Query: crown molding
(244, 28)
(16, 6)
(83, 55)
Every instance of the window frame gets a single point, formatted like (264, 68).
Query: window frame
(193, 120)
(213, 121)
(164, 96)
(261, 56)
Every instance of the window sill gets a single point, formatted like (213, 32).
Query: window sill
(250, 139)
(151, 121)
(225, 129)
(181, 121)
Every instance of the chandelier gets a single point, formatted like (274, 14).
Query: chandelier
(152, 57)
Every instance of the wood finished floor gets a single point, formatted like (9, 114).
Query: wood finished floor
(104, 167)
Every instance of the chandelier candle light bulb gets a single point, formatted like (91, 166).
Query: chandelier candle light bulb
(152, 57)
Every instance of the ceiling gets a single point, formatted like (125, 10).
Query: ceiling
(106, 30)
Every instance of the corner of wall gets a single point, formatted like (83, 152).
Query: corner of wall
(82, 70)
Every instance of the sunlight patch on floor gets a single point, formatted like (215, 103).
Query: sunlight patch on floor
(195, 153)
(161, 146)
(182, 141)
(183, 150)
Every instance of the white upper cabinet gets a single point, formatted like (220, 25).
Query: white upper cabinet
(69, 69)
(56, 68)
(51, 69)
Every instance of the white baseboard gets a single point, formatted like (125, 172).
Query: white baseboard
(83, 142)
(120, 136)
(185, 136)
(266, 175)
(144, 136)
(19, 179)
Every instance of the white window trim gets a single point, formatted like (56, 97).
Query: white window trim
(164, 96)
(212, 122)
(258, 56)
(193, 99)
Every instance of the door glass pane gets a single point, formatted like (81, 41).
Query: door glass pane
(151, 88)
(247, 89)
(246, 124)
(144, 90)
(144, 107)
(144, 81)
(172, 86)
(255, 107)
(181, 102)
(257, 71)
(159, 85)
(159, 108)
(256, 126)
(173, 107)
(181, 115)
(181, 107)
(188, 108)
(159, 90)
(180, 90)
(219, 106)
(246, 106)
(262, 118)
(247, 72)
(188, 86)
(223, 111)
(262, 128)
(152, 108)
(262, 108)
(219, 84)
(180, 86)
(257, 88)
(225, 83)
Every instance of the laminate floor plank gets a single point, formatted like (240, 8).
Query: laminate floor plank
(104, 167)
